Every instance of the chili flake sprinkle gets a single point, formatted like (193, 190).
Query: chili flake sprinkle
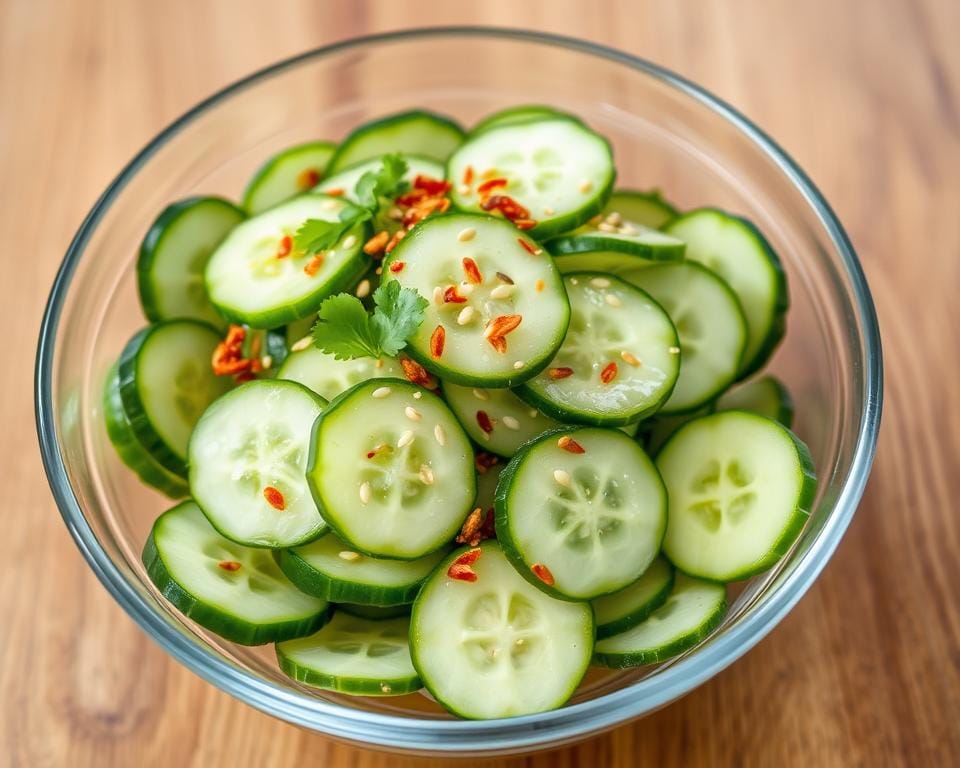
(472, 271)
(609, 373)
(529, 247)
(274, 498)
(376, 244)
(285, 246)
(314, 265)
(468, 175)
(483, 419)
(416, 373)
(559, 373)
(307, 178)
(462, 573)
(491, 184)
(570, 445)
(543, 573)
(437, 340)
(229, 565)
(397, 266)
(471, 555)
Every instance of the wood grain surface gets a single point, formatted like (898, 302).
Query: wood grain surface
(865, 95)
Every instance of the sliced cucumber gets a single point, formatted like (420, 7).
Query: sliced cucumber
(656, 430)
(619, 361)
(692, 611)
(129, 450)
(328, 377)
(709, 323)
(581, 512)
(174, 254)
(344, 182)
(391, 469)
(497, 646)
(414, 133)
(740, 487)
(625, 609)
(767, 396)
(330, 569)
(248, 282)
(517, 280)
(288, 173)
(375, 612)
(646, 208)
(237, 592)
(601, 246)
(166, 382)
(364, 657)
(248, 454)
(737, 251)
(519, 114)
(559, 170)
(496, 418)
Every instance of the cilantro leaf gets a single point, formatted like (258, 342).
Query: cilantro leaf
(387, 181)
(316, 235)
(345, 330)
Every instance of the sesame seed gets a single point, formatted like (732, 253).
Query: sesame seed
(519, 641)
(378, 271)
(381, 392)
(329, 205)
(518, 364)
(301, 345)
(437, 294)
(628, 229)
(365, 493)
(412, 413)
(440, 434)
(604, 227)
(426, 475)
(466, 235)
(674, 350)
(510, 423)
(480, 394)
(501, 291)
(612, 299)
(363, 289)
(384, 688)
(615, 218)
(417, 395)
(350, 241)
(548, 211)
(562, 477)
(574, 281)
(348, 555)
(586, 185)
(596, 219)
(600, 282)
(378, 363)
(629, 358)
(266, 362)
(533, 413)
(395, 213)
(466, 315)
(405, 439)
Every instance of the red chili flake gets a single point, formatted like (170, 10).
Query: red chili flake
(468, 175)
(431, 186)
(244, 377)
(559, 373)
(437, 339)
(483, 461)
(509, 207)
(469, 533)
(543, 573)
(498, 328)
(483, 419)
(529, 247)
(452, 295)
(462, 573)
(334, 192)
(609, 373)
(489, 528)
(285, 246)
(570, 445)
(416, 373)
(524, 223)
(313, 266)
(424, 208)
(274, 498)
(228, 359)
(395, 240)
(471, 555)
(307, 178)
(375, 245)
(498, 343)
(472, 271)
(491, 184)
(397, 266)
(412, 197)
(229, 565)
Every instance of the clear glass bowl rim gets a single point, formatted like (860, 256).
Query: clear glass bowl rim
(519, 733)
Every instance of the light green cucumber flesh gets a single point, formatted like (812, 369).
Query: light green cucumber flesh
(767, 396)
(288, 173)
(328, 377)
(649, 208)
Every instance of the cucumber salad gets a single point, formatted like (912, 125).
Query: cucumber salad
(457, 411)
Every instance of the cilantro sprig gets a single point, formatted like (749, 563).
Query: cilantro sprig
(346, 330)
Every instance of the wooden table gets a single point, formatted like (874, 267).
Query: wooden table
(865, 95)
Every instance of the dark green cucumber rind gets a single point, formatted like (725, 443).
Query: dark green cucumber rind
(315, 460)
(805, 499)
(648, 199)
(133, 407)
(131, 453)
(152, 242)
(349, 685)
(519, 114)
(599, 242)
(778, 325)
(314, 582)
(559, 224)
(264, 172)
(664, 652)
(337, 162)
(313, 535)
(638, 614)
(508, 379)
(375, 612)
(439, 572)
(505, 536)
(218, 621)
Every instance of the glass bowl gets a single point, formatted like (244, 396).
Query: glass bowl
(666, 132)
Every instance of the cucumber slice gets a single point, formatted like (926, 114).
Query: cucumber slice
(559, 170)
(248, 454)
(648, 209)
(288, 173)
(625, 609)
(175, 252)
(767, 396)
(692, 611)
(328, 377)
(131, 453)
(581, 512)
(615, 329)
(391, 469)
(345, 181)
(374, 612)
(656, 430)
(166, 382)
(740, 487)
(237, 592)
(496, 418)
(709, 323)
(416, 133)
(601, 246)
(330, 569)
(247, 281)
(497, 647)
(520, 114)
(517, 280)
(737, 251)
(353, 655)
